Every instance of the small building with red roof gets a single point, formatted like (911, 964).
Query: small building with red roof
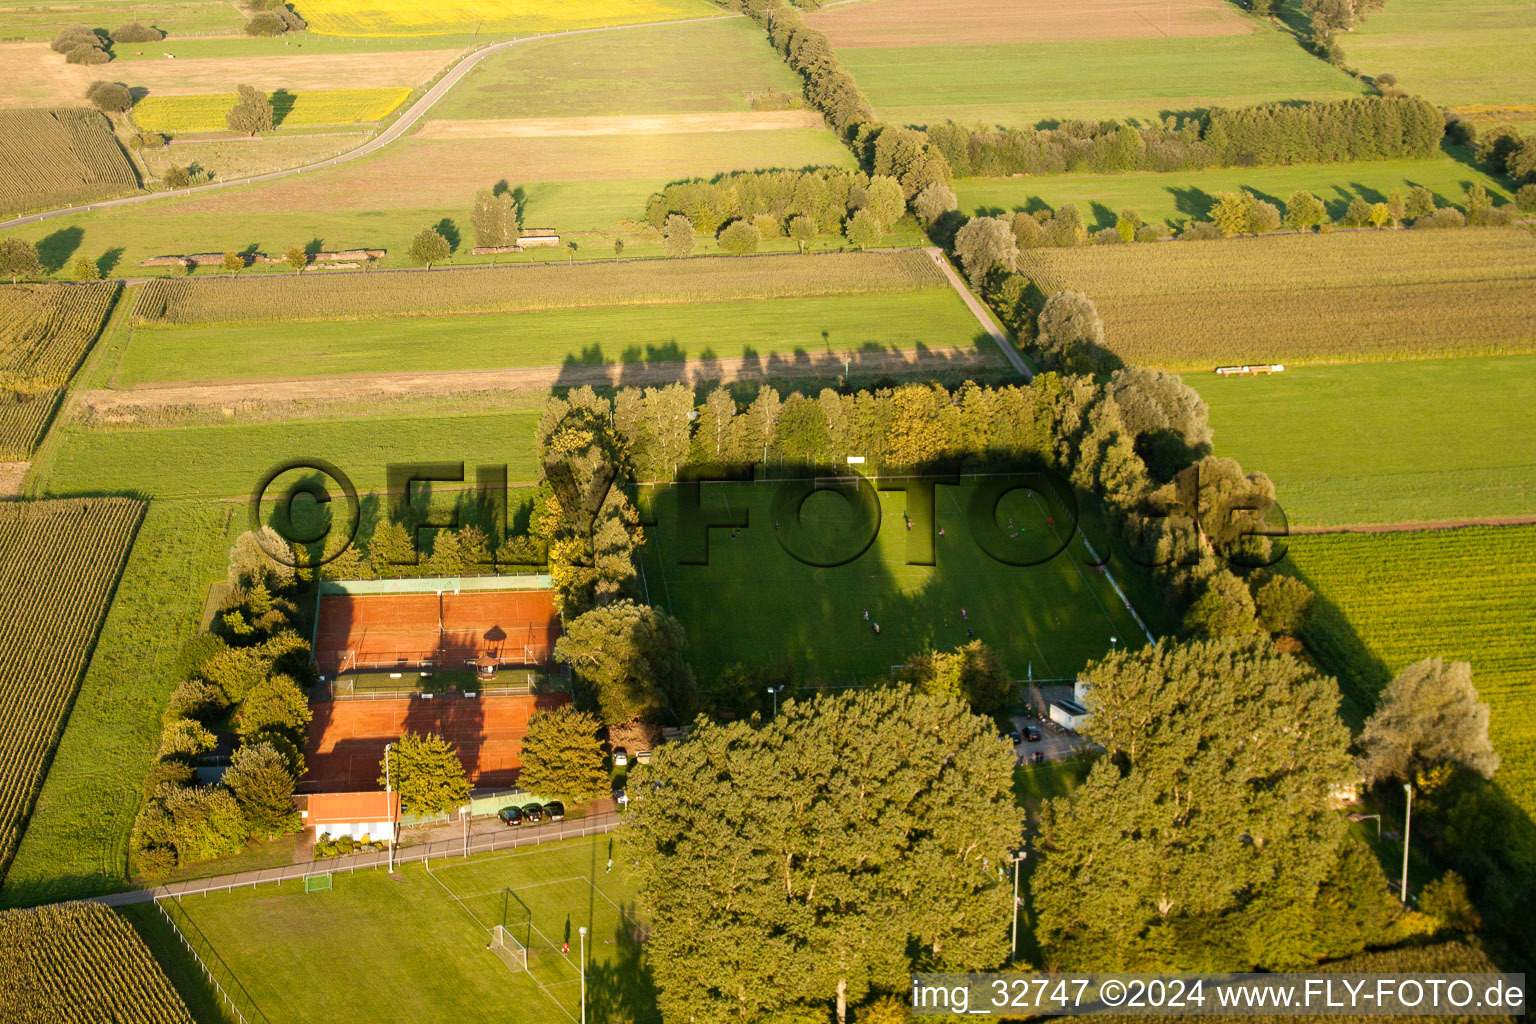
(372, 814)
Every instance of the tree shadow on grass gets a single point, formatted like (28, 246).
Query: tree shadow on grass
(109, 260)
(1192, 202)
(55, 250)
(282, 105)
(450, 231)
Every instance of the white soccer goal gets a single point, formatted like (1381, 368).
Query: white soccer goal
(505, 945)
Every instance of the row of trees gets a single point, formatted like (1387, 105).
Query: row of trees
(1361, 128)
(1327, 18)
(248, 677)
(1503, 148)
(800, 204)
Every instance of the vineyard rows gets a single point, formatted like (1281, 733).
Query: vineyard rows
(46, 329)
(59, 563)
(530, 287)
(52, 157)
(1390, 599)
(81, 963)
(1381, 295)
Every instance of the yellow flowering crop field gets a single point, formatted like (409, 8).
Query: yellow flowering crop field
(486, 17)
(289, 109)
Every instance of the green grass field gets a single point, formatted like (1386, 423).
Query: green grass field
(1452, 52)
(670, 69)
(786, 327)
(1385, 442)
(1179, 196)
(42, 19)
(418, 943)
(1023, 83)
(76, 843)
(1388, 600)
(228, 461)
(1045, 620)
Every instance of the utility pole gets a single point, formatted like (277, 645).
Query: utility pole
(1407, 824)
(583, 932)
(389, 808)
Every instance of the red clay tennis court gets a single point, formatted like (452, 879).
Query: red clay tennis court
(447, 630)
(347, 737)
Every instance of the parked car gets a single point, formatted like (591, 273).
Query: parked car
(555, 810)
(620, 757)
(1032, 734)
(620, 797)
(1012, 736)
(510, 815)
(533, 814)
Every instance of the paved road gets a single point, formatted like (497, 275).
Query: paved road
(982, 314)
(483, 843)
(402, 124)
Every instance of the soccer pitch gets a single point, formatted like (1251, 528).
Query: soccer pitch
(756, 604)
(415, 946)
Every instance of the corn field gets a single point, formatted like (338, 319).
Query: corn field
(59, 563)
(1357, 296)
(529, 287)
(52, 157)
(1387, 600)
(80, 963)
(23, 418)
(46, 329)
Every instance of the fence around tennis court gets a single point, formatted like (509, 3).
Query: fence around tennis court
(485, 842)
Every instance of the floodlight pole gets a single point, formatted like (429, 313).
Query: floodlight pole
(1407, 824)
(389, 808)
(774, 693)
(583, 932)
(1016, 861)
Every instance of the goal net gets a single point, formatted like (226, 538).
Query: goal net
(505, 945)
(320, 881)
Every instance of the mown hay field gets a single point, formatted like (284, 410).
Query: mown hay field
(59, 562)
(530, 287)
(702, 66)
(1451, 51)
(52, 157)
(936, 22)
(1023, 83)
(291, 110)
(1343, 297)
(492, 17)
(81, 963)
(1396, 442)
(1387, 600)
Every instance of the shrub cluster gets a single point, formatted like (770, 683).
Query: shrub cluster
(81, 44)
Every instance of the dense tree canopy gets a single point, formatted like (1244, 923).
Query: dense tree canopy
(628, 661)
(426, 771)
(836, 849)
(562, 758)
(1207, 816)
